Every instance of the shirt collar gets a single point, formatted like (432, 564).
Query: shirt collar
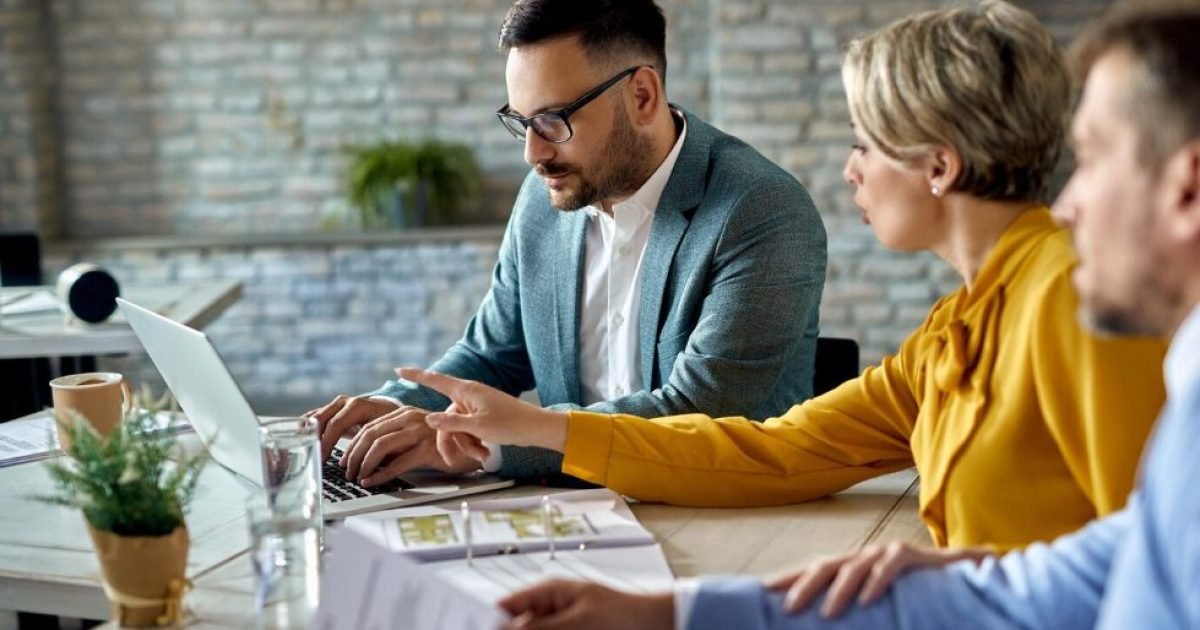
(646, 199)
(1182, 366)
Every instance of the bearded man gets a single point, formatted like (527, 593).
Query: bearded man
(653, 265)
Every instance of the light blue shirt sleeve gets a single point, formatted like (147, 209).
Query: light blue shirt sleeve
(1156, 574)
(1045, 586)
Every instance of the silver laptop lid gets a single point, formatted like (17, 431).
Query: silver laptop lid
(205, 389)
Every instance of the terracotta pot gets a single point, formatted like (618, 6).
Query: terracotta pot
(144, 576)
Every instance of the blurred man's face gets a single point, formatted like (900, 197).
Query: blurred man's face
(1112, 204)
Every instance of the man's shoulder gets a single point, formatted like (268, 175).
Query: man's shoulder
(737, 171)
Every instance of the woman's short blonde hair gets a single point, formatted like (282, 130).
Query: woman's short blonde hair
(988, 81)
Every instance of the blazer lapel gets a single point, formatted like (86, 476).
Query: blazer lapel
(567, 290)
(684, 191)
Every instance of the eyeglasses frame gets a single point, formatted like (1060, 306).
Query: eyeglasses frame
(563, 113)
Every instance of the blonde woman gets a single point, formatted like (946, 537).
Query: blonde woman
(1022, 424)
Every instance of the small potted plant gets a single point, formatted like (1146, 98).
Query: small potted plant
(133, 488)
(397, 184)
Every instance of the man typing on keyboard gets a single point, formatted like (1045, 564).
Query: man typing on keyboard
(652, 264)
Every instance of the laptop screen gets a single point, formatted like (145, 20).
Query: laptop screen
(205, 389)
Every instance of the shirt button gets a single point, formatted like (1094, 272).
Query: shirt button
(624, 250)
(620, 390)
(617, 320)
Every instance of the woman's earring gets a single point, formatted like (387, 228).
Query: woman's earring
(937, 192)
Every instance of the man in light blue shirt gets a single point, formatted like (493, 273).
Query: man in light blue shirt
(1133, 204)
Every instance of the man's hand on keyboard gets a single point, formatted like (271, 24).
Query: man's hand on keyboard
(394, 444)
(343, 414)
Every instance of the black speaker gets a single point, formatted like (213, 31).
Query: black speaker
(88, 292)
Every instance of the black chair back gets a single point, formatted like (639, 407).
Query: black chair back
(24, 383)
(20, 259)
(836, 363)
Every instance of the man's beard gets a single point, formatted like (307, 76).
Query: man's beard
(1112, 322)
(1146, 309)
(622, 166)
(1148, 316)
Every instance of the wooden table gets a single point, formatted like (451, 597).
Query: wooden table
(764, 542)
(758, 541)
(49, 334)
(47, 564)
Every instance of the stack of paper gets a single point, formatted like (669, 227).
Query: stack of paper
(366, 587)
(597, 539)
(589, 518)
(33, 437)
(27, 302)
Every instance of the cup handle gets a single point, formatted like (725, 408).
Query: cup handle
(128, 402)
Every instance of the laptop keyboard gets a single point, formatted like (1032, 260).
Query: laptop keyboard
(335, 487)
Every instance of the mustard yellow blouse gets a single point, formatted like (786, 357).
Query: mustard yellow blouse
(1022, 425)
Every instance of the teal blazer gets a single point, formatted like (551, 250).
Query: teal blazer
(732, 280)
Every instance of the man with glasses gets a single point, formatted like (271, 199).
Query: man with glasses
(652, 264)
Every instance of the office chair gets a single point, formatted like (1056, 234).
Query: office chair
(24, 383)
(836, 362)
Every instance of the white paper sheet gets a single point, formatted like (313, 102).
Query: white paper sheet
(641, 569)
(25, 303)
(33, 438)
(365, 586)
(594, 518)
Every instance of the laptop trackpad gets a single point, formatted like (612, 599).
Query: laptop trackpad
(432, 481)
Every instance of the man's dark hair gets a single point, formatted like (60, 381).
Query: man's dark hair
(1163, 38)
(607, 29)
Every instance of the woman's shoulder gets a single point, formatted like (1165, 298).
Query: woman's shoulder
(1046, 268)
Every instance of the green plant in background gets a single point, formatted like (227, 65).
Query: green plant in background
(399, 184)
(134, 482)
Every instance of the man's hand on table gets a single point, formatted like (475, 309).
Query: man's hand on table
(867, 573)
(566, 604)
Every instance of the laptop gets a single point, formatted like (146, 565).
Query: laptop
(221, 415)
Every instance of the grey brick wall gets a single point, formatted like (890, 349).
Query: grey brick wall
(228, 116)
(28, 140)
(316, 320)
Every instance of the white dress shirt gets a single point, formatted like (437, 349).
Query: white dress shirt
(612, 292)
(609, 365)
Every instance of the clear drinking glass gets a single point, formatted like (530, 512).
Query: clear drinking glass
(291, 456)
(285, 551)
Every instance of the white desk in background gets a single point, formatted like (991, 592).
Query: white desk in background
(47, 334)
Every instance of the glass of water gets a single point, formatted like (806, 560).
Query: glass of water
(291, 454)
(285, 552)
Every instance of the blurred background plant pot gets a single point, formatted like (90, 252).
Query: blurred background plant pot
(401, 185)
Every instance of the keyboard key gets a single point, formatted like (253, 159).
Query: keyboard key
(335, 487)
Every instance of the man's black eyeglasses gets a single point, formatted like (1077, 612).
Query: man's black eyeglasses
(555, 125)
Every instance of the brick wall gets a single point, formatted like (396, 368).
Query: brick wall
(28, 140)
(228, 116)
(316, 320)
